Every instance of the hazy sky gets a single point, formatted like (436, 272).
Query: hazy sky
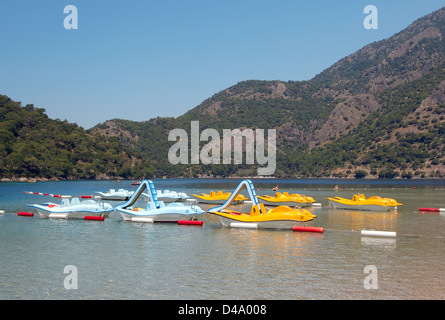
(140, 59)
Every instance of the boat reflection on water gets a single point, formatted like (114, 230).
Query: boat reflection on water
(357, 219)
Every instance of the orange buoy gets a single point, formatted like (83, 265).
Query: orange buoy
(308, 229)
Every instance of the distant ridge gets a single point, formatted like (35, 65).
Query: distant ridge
(378, 112)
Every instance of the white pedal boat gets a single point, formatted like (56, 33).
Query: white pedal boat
(155, 210)
(119, 195)
(171, 196)
(73, 209)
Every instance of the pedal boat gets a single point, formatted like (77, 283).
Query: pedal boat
(112, 194)
(359, 202)
(281, 217)
(284, 199)
(155, 210)
(171, 196)
(74, 209)
(218, 198)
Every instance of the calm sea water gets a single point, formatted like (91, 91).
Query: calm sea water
(124, 260)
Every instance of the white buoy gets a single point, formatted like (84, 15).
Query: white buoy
(316, 204)
(375, 233)
(2, 211)
(244, 225)
(58, 215)
(142, 219)
(248, 202)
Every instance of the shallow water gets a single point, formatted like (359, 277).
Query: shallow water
(126, 260)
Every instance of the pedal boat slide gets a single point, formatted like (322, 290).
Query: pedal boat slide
(155, 210)
(281, 217)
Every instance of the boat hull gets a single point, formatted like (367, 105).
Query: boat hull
(71, 214)
(170, 213)
(76, 209)
(218, 198)
(363, 207)
(115, 198)
(285, 203)
(170, 199)
(271, 224)
(164, 217)
(218, 201)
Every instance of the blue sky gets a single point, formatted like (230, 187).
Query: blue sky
(138, 60)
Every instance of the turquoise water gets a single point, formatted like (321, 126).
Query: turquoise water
(126, 260)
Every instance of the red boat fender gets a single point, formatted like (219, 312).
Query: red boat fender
(308, 229)
(190, 222)
(86, 197)
(94, 218)
(25, 214)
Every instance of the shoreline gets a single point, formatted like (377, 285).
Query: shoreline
(120, 179)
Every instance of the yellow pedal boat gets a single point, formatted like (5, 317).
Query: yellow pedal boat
(281, 217)
(218, 197)
(359, 202)
(286, 199)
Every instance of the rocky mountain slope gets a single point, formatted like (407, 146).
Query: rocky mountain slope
(378, 112)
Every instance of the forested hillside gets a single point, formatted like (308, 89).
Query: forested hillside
(34, 146)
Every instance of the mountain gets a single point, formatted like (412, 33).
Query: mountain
(378, 112)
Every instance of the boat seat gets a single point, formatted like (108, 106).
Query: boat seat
(257, 210)
(286, 194)
(75, 201)
(281, 209)
(219, 193)
(212, 194)
(88, 202)
(65, 202)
